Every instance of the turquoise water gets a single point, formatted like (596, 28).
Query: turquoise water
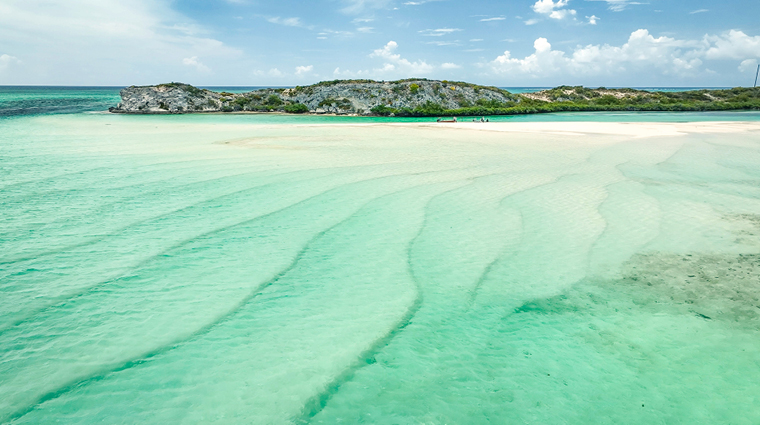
(30, 100)
(229, 269)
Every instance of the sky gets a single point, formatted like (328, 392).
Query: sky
(507, 43)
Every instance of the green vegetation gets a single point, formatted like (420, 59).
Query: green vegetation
(336, 82)
(414, 88)
(581, 99)
(296, 108)
(274, 101)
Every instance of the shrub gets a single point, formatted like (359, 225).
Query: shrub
(383, 110)
(430, 109)
(274, 101)
(607, 99)
(296, 108)
(414, 88)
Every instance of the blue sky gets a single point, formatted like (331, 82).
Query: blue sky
(287, 42)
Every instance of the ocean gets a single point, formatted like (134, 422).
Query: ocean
(275, 269)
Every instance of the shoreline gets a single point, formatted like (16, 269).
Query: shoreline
(577, 128)
(464, 118)
(635, 129)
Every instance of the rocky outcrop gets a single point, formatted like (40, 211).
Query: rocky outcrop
(167, 98)
(419, 97)
(362, 97)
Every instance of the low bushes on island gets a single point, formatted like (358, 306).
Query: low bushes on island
(296, 108)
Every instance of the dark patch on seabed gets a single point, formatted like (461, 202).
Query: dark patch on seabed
(720, 287)
(716, 287)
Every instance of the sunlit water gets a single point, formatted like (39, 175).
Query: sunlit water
(223, 269)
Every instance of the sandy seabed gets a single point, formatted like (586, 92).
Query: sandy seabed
(165, 270)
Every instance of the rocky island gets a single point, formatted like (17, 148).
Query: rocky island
(421, 97)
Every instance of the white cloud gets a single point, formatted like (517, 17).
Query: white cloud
(7, 60)
(449, 65)
(592, 20)
(698, 11)
(274, 72)
(749, 65)
(328, 32)
(78, 42)
(554, 10)
(395, 63)
(500, 18)
(445, 43)
(732, 45)
(300, 70)
(546, 7)
(641, 53)
(618, 5)
(365, 30)
(419, 2)
(438, 32)
(361, 6)
(194, 62)
(562, 14)
(288, 22)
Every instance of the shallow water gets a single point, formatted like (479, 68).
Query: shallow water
(211, 269)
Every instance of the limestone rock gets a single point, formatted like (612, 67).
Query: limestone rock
(357, 97)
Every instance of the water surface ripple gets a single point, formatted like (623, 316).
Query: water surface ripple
(230, 269)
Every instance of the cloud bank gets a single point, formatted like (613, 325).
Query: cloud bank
(641, 53)
(103, 42)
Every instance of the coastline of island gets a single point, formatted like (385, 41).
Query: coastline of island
(424, 98)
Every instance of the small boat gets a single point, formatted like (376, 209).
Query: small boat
(451, 120)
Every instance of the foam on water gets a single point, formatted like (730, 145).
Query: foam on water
(211, 270)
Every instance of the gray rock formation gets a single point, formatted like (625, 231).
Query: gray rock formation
(167, 98)
(362, 97)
